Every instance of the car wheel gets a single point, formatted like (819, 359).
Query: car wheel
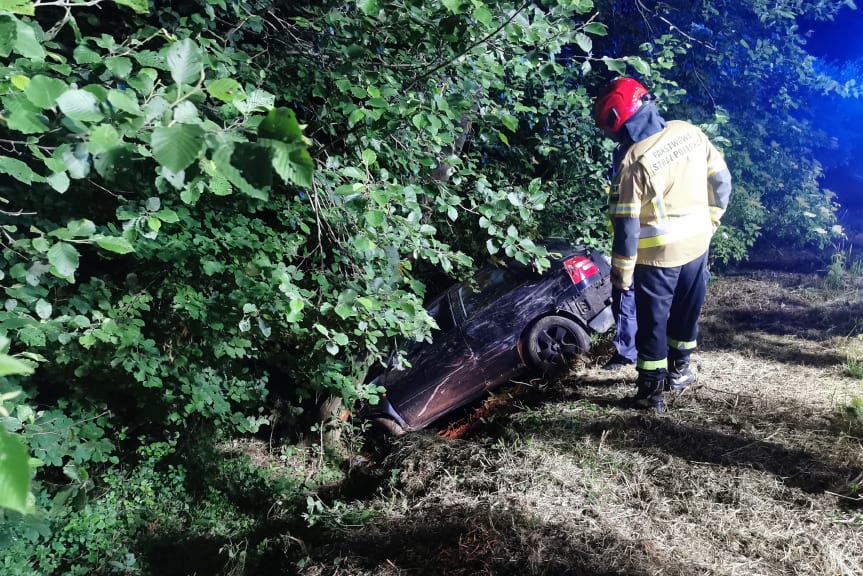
(555, 341)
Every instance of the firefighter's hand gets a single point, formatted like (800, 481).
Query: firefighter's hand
(618, 281)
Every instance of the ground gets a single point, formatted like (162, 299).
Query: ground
(755, 470)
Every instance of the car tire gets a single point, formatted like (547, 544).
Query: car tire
(553, 342)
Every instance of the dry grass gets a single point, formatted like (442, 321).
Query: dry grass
(747, 474)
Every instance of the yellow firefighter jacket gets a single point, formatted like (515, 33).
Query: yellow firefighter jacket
(668, 196)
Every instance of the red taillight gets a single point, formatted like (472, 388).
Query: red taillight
(580, 268)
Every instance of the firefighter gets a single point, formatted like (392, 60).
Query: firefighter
(622, 301)
(669, 193)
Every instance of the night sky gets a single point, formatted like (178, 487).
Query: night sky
(841, 41)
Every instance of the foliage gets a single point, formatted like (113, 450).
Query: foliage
(14, 462)
(744, 66)
(844, 270)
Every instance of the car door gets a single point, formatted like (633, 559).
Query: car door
(506, 300)
(432, 385)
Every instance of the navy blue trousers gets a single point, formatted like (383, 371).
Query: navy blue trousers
(668, 304)
(623, 309)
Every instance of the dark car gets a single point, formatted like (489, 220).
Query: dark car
(516, 320)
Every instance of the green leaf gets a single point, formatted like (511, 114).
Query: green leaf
(59, 181)
(344, 310)
(369, 303)
(64, 260)
(167, 215)
(26, 43)
(8, 34)
(177, 147)
(455, 6)
(211, 267)
(281, 124)
(18, 170)
(356, 116)
(253, 162)
(83, 54)
(185, 62)
(369, 157)
(639, 65)
(584, 42)
(23, 7)
(10, 366)
(116, 244)
(596, 28)
(43, 309)
(226, 90)
(26, 121)
(115, 164)
(511, 122)
(102, 138)
(482, 14)
(295, 311)
(43, 91)
(369, 7)
(614, 65)
(80, 228)
(175, 179)
(340, 339)
(77, 160)
(257, 100)
(237, 165)
(79, 105)
(191, 192)
(139, 6)
(186, 113)
(375, 217)
(14, 472)
(292, 163)
(125, 101)
(143, 81)
(120, 66)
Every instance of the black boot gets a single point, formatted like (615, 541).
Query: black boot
(679, 376)
(648, 396)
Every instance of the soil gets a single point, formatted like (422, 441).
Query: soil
(757, 469)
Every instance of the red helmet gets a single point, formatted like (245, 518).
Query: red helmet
(618, 103)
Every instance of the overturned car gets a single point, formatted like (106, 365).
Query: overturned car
(514, 321)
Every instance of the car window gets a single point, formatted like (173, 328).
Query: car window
(491, 284)
(442, 313)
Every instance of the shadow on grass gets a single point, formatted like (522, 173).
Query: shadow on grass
(461, 540)
(720, 442)
(794, 467)
(719, 336)
(769, 324)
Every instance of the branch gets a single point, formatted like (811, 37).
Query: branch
(67, 3)
(671, 26)
(471, 47)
